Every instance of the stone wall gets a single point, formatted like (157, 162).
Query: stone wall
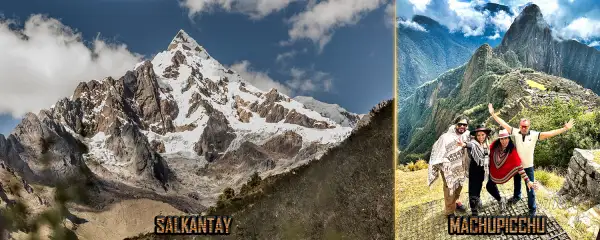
(583, 178)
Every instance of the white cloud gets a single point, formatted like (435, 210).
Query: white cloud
(412, 25)
(303, 81)
(457, 16)
(495, 36)
(502, 20)
(261, 80)
(594, 44)
(282, 56)
(582, 28)
(419, 5)
(568, 19)
(470, 21)
(255, 9)
(318, 22)
(50, 61)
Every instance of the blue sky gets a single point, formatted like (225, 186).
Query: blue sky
(336, 51)
(569, 19)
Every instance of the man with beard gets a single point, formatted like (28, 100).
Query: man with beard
(449, 159)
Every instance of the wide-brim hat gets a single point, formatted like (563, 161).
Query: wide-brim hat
(481, 128)
(503, 134)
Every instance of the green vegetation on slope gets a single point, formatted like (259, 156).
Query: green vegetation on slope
(464, 90)
(515, 92)
(550, 179)
(557, 151)
(347, 194)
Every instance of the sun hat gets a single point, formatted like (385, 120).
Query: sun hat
(481, 128)
(503, 134)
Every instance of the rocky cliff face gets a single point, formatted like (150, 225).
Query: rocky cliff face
(583, 178)
(536, 47)
(324, 198)
(582, 184)
(167, 124)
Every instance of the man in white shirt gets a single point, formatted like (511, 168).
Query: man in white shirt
(525, 141)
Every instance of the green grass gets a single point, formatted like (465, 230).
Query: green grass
(597, 156)
(535, 84)
(550, 179)
(412, 189)
(413, 166)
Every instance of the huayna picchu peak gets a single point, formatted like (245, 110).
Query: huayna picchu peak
(530, 40)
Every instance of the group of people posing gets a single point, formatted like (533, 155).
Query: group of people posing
(460, 154)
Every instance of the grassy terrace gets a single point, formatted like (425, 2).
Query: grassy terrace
(412, 190)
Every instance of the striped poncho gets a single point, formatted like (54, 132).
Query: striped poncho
(450, 158)
(503, 166)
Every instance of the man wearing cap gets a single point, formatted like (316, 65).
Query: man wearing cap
(450, 160)
(525, 141)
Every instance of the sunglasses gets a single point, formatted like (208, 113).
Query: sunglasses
(462, 124)
(524, 126)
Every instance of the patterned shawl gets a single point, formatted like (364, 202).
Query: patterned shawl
(450, 158)
(478, 152)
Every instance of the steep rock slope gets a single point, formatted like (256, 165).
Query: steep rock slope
(181, 124)
(348, 194)
(424, 55)
(530, 39)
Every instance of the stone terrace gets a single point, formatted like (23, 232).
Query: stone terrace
(427, 221)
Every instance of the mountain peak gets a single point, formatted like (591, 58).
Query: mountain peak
(531, 14)
(528, 29)
(185, 40)
(532, 8)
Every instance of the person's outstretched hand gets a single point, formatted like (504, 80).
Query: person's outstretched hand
(569, 124)
(491, 108)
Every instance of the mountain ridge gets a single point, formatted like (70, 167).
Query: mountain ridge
(537, 47)
(174, 125)
(312, 201)
(501, 79)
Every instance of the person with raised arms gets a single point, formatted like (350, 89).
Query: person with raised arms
(525, 141)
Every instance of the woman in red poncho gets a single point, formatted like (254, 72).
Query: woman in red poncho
(504, 164)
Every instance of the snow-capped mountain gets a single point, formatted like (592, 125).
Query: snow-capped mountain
(181, 123)
(331, 111)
